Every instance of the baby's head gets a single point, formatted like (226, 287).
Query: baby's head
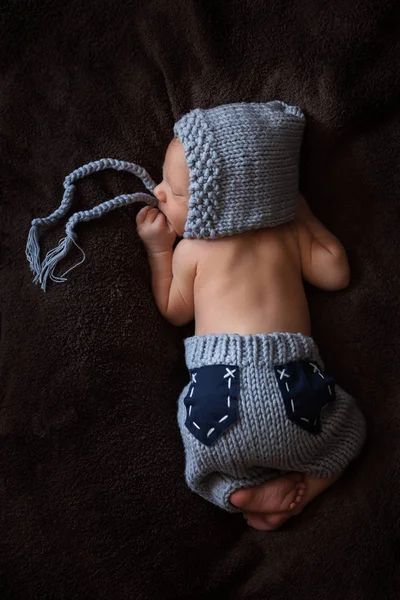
(232, 168)
(229, 169)
(173, 192)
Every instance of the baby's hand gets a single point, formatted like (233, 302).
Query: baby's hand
(154, 231)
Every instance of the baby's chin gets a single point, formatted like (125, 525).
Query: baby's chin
(178, 230)
(172, 228)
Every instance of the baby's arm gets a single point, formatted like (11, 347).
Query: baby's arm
(323, 258)
(172, 272)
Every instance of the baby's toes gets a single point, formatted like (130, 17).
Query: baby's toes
(290, 492)
(298, 496)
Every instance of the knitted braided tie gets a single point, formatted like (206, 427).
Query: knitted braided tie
(45, 270)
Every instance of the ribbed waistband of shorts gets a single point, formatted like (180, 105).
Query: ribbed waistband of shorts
(242, 350)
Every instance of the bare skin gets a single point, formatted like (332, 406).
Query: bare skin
(254, 284)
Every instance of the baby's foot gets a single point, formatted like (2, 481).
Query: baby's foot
(278, 495)
(260, 517)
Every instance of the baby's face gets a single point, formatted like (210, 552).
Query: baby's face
(173, 192)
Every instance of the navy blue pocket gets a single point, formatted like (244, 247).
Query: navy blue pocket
(212, 401)
(306, 391)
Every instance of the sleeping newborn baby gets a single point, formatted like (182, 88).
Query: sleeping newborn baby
(265, 429)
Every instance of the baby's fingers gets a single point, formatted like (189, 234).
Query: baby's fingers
(152, 215)
(160, 219)
(141, 216)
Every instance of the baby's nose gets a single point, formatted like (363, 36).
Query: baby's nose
(159, 192)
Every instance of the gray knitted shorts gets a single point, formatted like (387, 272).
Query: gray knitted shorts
(259, 406)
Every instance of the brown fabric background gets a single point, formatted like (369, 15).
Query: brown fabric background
(93, 503)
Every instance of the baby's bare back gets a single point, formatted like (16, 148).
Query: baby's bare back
(250, 283)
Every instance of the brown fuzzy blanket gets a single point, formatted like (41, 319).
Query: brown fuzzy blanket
(93, 503)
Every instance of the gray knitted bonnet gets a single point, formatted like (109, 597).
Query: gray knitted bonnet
(244, 166)
(243, 161)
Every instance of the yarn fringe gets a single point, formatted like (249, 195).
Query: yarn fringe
(45, 271)
(33, 251)
(52, 259)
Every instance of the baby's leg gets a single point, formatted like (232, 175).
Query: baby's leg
(256, 505)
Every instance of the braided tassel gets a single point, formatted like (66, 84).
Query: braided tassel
(45, 270)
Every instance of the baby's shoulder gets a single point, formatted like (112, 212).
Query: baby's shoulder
(188, 250)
